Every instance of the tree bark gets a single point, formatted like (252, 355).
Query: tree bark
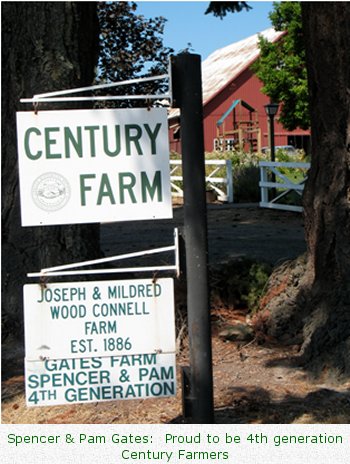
(47, 46)
(326, 27)
(308, 301)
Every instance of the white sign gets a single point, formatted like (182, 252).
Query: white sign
(84, 166)
(84, 380)
(101, 318)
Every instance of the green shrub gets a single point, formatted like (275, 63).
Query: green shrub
(246, 184)
(258, 277)
(239, 283)
(246, 175)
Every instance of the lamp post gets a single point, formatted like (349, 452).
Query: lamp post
(271, 111)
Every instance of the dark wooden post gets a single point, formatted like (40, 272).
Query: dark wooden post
(187, 94)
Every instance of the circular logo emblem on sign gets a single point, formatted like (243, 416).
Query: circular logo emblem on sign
(50, 191)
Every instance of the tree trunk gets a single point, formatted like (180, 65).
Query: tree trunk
(326, 27)
(308, 301)
(46, 46)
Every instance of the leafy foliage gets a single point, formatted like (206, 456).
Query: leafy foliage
(282, 69)
(259, 275)
(282, 65)
(240, 283)
(220, 9)
(131, 46)
(246, 172)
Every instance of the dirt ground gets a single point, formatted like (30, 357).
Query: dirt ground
(236, 230)
(252, 383)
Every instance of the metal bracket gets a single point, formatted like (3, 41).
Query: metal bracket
(59, 95)
(67, 269)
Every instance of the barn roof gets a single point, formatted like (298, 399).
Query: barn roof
(225, 65)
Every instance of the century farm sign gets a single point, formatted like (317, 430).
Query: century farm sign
(84, 166)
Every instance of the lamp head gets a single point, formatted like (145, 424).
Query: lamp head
(271, 109)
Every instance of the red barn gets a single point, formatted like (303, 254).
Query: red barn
(233, 104)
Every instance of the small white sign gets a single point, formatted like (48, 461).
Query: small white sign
(100, 318)
(85, 166)
(84, 380)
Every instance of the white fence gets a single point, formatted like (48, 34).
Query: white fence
(282, 182)
(223, 186)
